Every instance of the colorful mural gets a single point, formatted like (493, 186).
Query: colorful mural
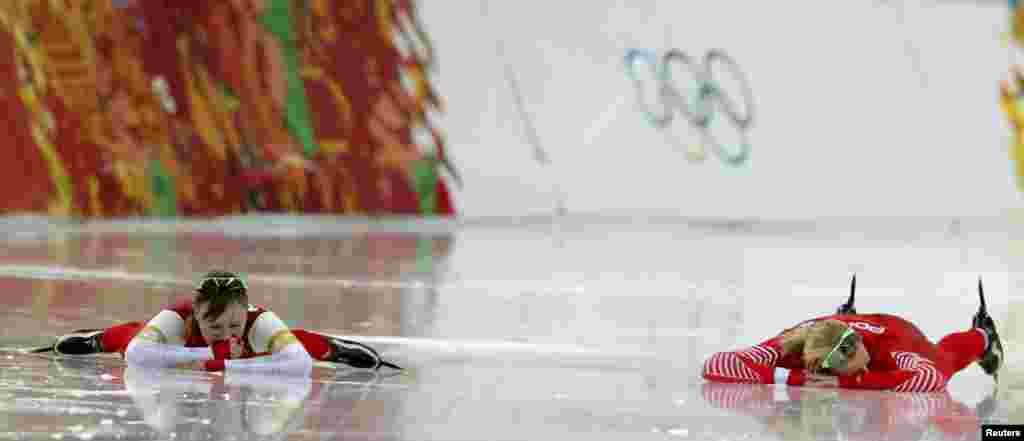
(203, 108)
(1011, 93)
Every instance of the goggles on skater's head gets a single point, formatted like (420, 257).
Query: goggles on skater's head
(217, 283)
(841, 353)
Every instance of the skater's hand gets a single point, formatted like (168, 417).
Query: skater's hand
(229, 349)
(821, 380)
(237, 348)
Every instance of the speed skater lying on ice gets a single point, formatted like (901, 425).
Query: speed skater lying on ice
(218, 330)
(862, 351)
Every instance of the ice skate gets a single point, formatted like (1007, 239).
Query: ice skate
(81, 342)
(847, 308)
(356, 354)
(992, 359)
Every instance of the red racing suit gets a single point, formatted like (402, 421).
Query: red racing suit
(902, 358)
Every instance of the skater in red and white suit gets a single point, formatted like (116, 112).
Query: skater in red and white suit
(217, 330)
(861, 351)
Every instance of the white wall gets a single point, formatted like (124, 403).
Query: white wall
(846, 126)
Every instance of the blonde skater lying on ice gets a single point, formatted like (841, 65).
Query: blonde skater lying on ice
(862, 351)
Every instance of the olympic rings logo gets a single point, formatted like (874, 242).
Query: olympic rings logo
(698, 102)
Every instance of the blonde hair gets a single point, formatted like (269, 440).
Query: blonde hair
(813, 342)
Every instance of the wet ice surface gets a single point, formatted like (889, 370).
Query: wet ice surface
(583, 329)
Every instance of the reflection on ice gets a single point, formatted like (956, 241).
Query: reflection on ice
(217, 406)
(842, 414)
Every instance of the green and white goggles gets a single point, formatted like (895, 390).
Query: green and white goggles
(843, 351)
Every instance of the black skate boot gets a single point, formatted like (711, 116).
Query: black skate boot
(992, 359)
(81, 342)
(847, 308)
(356, 355)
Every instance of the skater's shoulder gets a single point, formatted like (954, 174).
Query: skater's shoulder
(182, 306)
(253, 311)
(252, 307)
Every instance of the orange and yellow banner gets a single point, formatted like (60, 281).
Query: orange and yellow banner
(204, 108)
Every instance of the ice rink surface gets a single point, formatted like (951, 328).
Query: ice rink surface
(529, 329)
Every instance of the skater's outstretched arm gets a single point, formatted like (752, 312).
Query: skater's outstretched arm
(161, 343)
(754, 365)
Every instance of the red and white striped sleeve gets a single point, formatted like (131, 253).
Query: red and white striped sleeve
(915, 374)
(926, 377)
(754, 365)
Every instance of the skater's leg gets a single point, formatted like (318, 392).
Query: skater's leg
(962, 348)
(116, 338)
(339, 350)
(318, 346)
(94, 341)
